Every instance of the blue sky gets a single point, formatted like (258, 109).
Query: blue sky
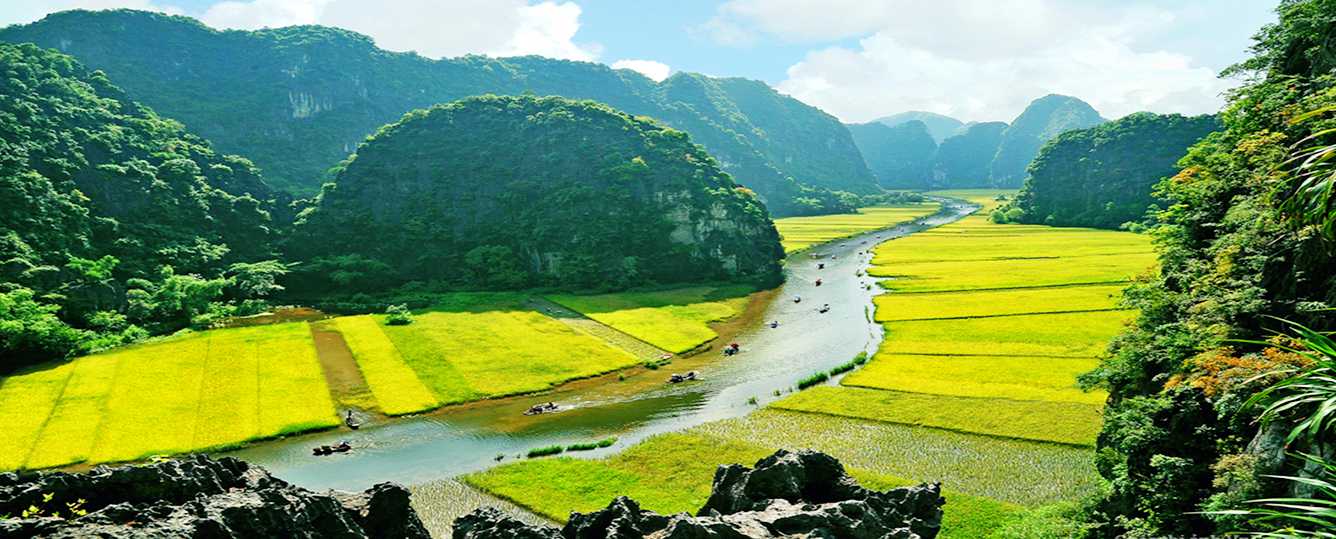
(973, 59)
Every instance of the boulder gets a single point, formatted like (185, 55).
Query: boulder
(198, 497)
(788, 494)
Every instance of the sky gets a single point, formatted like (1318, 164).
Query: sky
(976, 60)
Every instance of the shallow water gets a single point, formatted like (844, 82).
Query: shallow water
(433, 448)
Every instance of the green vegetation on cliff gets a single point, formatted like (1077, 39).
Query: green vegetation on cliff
(1103, 176)
(1241, 241)
(304, 97)
(510, 192)
(1044, 119)
(114, 220)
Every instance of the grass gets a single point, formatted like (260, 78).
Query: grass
(191, 393)
(798, 233)
(672, 473)
(936, 305)
(1044, 421)
(1064, 335)
(675, 320)
(992, 242)
(396, 387)
(466, 356)
(1009, 377)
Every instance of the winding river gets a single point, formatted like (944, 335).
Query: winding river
(433, 448)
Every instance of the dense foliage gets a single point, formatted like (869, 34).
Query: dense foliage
(1180, 436)
(298, 100)
(113, 219)
(507, 192)
(939, 126)
(1041, 121)
(901, 157)
(1103, 176)
(962, 160)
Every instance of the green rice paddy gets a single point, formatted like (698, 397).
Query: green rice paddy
(672, 473)
(675, 320)
(798, 233)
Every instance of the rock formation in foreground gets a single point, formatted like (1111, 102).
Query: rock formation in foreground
(198, 497)
(803, 494)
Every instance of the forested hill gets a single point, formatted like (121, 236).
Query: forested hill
(901, 157)
(510, 192)
(962, 160)
(104, 209)
(297, 100)
(1104, 176)
(1043, 119)
(939, 126)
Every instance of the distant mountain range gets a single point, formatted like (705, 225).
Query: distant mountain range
(298, 100)
(987, 154)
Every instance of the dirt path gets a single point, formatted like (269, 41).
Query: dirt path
(346, 384)
(641, 349)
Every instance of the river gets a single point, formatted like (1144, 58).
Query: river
(433, 448)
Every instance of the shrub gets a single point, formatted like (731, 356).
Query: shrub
(545, 451)
(852, 364)
(813, 379)
(589, 446)
(398, 315)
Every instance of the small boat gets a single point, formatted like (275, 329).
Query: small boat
(342, 447)
(541, 408)
(679, 378)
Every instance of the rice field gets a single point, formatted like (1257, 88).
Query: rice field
(1083, 334)
(466, 356)
(190, 393)
(1009, 377)
(1013, 273)
(395, 385)
(1072, 423)
(946, 305)
(675, 320)
(798, 233)
(672, 473)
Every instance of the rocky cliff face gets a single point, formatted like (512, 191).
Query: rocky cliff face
(197, 497)
(804, 494)
(497, 192)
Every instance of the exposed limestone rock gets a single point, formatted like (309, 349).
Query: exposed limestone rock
(198, 497)
(803, 494)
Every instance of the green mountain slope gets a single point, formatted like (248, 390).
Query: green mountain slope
(503, 192)
(297, 100)
(1103, 176)
(939, 125)
(1043, 119)
(901, 157)
(962, 160)
(97, 194)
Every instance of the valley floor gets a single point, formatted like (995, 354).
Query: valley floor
(218, 389)
(987, 327)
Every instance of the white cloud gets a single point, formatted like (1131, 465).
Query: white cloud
(433, 28)
(979, 59)
(263, 13)
(26, 11)
(649, 68)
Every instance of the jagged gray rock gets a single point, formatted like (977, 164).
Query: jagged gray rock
(788, 494)
(199, 497)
